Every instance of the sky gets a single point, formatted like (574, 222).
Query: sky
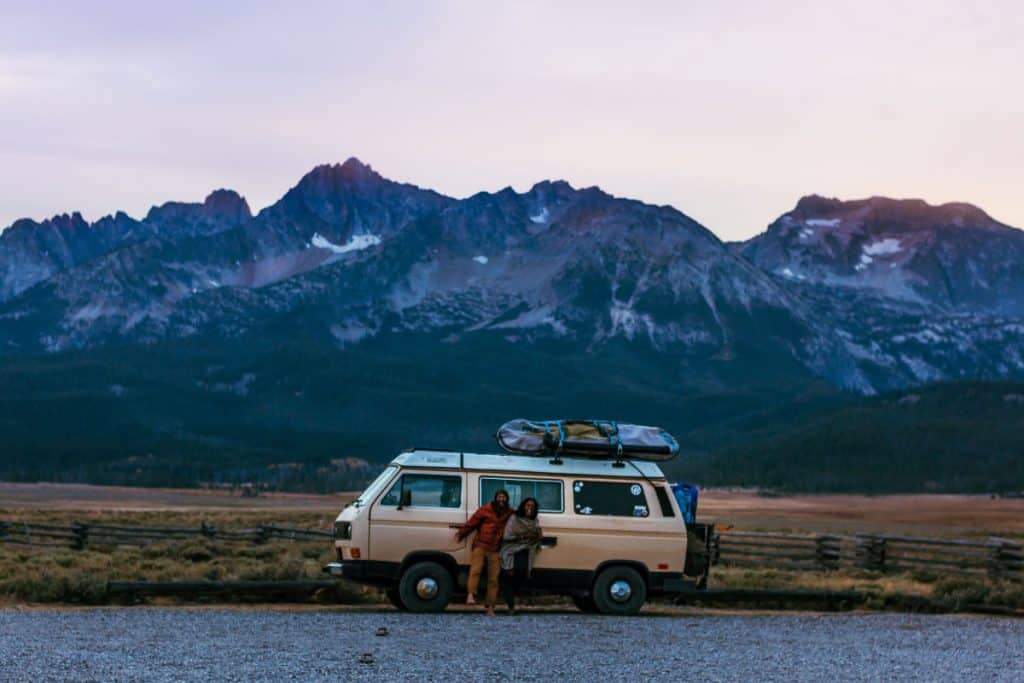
(728, 111)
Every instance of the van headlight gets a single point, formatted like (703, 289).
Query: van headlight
(343, 530)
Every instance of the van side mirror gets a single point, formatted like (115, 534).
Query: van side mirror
(405, 500)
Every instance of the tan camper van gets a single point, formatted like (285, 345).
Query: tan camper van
(613, 532)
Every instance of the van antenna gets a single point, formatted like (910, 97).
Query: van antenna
(557, 460)
(618, 448)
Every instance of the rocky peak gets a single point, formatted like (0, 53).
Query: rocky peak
(221, 210)
(885, 213)
(330, 179)
(228, 205)
(953, 255)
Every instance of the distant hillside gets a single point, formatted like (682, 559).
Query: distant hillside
(963, 437)
(184, 413)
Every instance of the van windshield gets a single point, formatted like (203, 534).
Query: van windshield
(373, 489)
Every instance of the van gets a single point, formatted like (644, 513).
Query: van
(614, 535)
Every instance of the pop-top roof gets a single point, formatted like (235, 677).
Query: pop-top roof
(527, 464)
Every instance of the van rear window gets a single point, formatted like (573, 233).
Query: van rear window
(618, 499)
(547, 492)
(426, 490)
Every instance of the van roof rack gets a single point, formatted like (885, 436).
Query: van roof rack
(603, 439)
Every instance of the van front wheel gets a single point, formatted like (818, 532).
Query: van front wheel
(394, 598)
(425, 587)
(619, 590)
(584, 602)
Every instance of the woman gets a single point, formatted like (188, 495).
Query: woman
(520, 544)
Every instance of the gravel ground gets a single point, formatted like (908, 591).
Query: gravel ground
(157, 644)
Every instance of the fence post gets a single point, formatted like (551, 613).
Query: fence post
(262, 535)
(1006, 559)
(870, 552)
(715, 547)
(81, 539)
(207, 531)
(826, 551)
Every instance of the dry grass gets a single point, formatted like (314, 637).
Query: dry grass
(56, 575)
(65, 576)
(917, 590)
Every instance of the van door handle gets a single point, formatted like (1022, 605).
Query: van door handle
(549, 541)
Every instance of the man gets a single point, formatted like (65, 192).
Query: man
(489, 523)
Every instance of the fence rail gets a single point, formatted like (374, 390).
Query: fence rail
(993, 557)
(82, 535)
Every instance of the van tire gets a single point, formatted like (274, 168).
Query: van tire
(584, 602)
(612, 578)
(394, 598)
(410, 584)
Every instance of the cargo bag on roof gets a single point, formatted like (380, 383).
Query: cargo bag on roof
(589, 438)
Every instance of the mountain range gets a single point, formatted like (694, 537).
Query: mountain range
(357, 314)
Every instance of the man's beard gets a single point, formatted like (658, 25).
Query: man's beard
(499, 506)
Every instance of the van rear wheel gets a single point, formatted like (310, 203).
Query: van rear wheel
(425, 587)
(619, 590)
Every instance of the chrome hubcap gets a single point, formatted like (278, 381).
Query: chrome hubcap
(620, 591)
(426, 588)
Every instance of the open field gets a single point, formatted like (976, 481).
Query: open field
(936, 515)
(45, 496)
(925, 514)
(43, 575)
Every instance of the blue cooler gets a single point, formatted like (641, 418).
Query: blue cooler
(686, 495)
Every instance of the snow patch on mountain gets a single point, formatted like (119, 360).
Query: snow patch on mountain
(883, 247)
(822, 222)
(627, 321)
(922, 370)
(865, 261)
(536, 317)
(541, 217)
(482, 260)
(356, 243)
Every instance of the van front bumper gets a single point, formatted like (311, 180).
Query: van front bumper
(353, 571)
(365, 571)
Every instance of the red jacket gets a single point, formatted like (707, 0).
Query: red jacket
(490, 526)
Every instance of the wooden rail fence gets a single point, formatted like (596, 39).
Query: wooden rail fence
(993, 557)
(81, 535)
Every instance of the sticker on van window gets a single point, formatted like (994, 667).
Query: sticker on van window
(577, 487)
(640, 511)
(635, 489)
(584, 510)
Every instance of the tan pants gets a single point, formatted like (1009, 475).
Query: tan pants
(476, 565)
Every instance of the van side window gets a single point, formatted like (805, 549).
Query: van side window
(618, 499)
(547, 492)
(663, 501)
(426, 490)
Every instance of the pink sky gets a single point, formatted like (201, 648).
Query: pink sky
(728, 111)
